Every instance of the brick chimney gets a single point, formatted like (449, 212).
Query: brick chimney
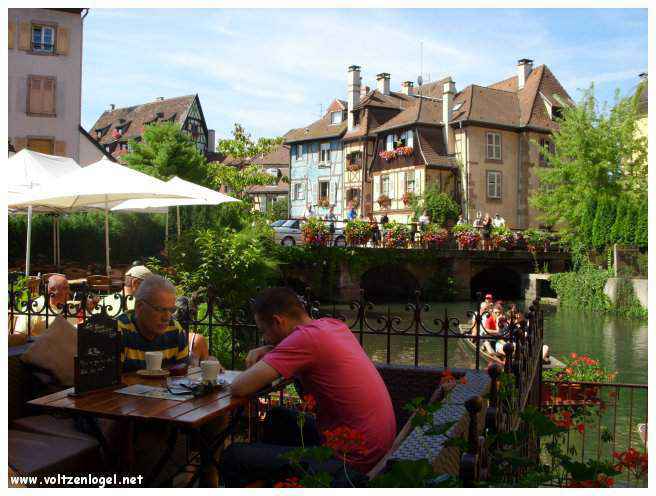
(383, 83)
(407, 88)
(353, 92)
(448, 94)
(524, 68)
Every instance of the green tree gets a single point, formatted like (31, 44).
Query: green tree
(166, 151)
(603, 223)
(640, 238)
(619, 226)
(279, 209)
(597, 153)
(587, 220)
(626, 233)
(439, 206)
(241, 145)
(239, 180)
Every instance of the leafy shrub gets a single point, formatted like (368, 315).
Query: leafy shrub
(440, 207)
(502, 237)
(315, 232)
(466, 235)
(434, 236)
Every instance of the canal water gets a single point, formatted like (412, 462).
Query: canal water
(619, 344)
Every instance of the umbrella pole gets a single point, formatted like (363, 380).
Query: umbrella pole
(177, 209)
(58, 244)
(54, 240)
(29, 240)
(109, 269)
(166, 229)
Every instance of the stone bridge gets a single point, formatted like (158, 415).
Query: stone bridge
(389, 275)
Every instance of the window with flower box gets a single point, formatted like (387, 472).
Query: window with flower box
(494, 185)
(324, 191)
(493, 146)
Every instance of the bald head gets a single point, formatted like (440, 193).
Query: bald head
(58, 290)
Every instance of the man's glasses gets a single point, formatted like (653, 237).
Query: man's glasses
(157, 308)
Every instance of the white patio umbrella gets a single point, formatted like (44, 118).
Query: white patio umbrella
(27, 171)
(200, 196)
(103, 183)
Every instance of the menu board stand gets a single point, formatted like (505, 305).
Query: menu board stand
(98, 360)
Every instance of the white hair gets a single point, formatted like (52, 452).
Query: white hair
(152, 284)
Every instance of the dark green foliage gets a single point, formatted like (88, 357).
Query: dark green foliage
(583, 289)
(618, 229)
(82, 237)
(165, 151)
(603, 223)
(587, 221)
(279, 209)
(641, 226)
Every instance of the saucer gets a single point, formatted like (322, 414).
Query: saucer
(153, 373)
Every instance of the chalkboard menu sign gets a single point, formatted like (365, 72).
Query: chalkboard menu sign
(98, 360)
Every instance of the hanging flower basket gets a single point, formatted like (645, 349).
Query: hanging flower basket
(387, 155)
(353, 166)
(384, 201)
(407, 198)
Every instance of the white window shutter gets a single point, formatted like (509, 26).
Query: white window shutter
(419, 189)
(376, 180)
(410, 139)
(392, 183)
(402, 186)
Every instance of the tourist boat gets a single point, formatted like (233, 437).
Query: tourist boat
(487, 350)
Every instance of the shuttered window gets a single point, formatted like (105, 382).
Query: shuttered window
(494, 184)
(385, 185)
(41, 145)
(493, 146)
(41, 95)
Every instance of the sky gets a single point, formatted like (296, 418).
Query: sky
(277, 69)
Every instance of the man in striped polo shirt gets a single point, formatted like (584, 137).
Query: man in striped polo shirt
(151, 327)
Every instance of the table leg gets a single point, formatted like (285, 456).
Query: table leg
(209, 476)
(127, 457)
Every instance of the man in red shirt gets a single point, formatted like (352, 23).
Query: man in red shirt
(330, 364)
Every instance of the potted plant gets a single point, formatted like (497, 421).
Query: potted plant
(358, 232)
(384, 201)
(387, 155)
(434, 236)
(315, 232)
(467, 236)
(503, 238)
(396, 235)
(578, 368)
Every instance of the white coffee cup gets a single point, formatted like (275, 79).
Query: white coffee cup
(154, 360)
(209, 370)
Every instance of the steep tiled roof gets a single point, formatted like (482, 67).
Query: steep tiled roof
(133, 119)
(419, 111)
(394, 100)
(279, 156)
(483, 104)
(433, 89)
(319, 129)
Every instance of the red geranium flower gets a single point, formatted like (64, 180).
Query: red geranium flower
(290, 482)
(581, 428)
(345, 441)
(309, 403)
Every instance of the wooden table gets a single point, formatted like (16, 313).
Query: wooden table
(189, 415)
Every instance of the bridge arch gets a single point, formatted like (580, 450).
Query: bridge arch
(504, 283)
(386, 284)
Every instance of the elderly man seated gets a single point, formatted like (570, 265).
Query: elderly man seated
(134, 277)
(58, 295)
(332, 366)
(151, 327)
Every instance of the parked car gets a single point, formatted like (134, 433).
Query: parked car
(290, 233)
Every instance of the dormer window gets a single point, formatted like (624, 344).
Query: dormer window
(336, 117)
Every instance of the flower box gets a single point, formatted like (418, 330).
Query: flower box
(387, 155)
(352, 167)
